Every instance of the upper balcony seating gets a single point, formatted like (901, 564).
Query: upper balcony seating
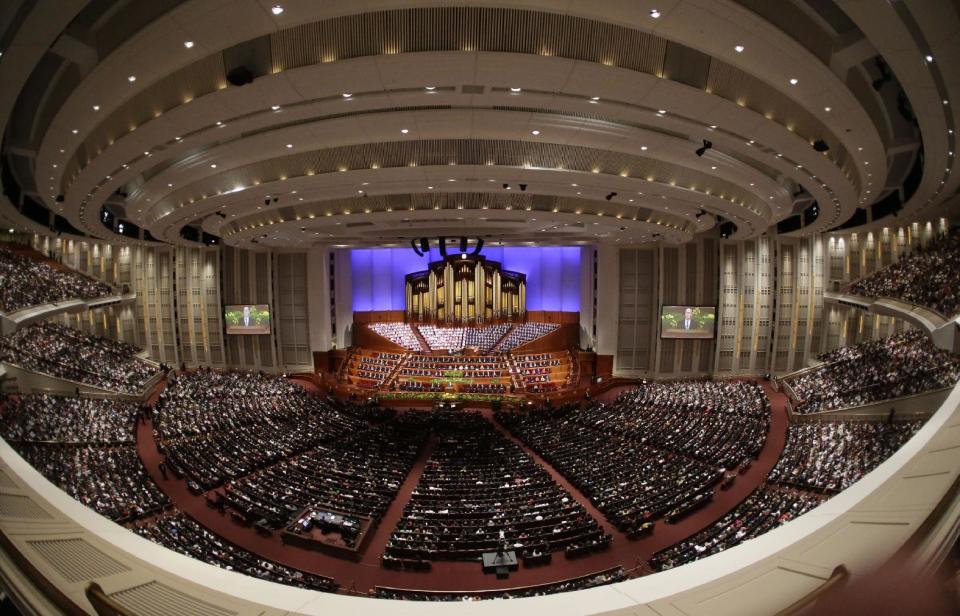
(28, 281)
(928, 277)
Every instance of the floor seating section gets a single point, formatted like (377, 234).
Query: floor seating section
(479, 491)
(657, 451)
(27, 279)
(69, 354)
(869, 372)
(178, 532)
(87, 448)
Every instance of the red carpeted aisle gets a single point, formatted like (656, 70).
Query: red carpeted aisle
(362, 576)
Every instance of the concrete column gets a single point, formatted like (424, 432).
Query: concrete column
(318, 298)
(608, 298)
(343, 296)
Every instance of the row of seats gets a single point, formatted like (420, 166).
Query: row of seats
(25, 280)
(483, 338)
(479, 492)
(67, 353)
(900, 365)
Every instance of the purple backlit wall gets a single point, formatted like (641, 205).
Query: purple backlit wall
(553, 275)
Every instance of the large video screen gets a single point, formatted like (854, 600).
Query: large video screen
(247, 319)
(688, 321)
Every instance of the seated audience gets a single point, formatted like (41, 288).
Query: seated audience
(480, 492)
(110, 480)
(928, 277)
(524, 333)
(400, 333)
(765, 509)
(869, 372)
(27, 281)
(178, 532)
(42, 417)
(832, 456)
(69, 354)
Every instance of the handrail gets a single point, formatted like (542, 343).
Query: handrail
(840, 574)
(103, 604)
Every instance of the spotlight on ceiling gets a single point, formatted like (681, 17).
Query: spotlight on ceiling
(820, 145)
(506, 186)
(706, 146)
(523, 186)
(611, 196)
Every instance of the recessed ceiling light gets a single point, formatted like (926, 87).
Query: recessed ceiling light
(346, 95)
(404, 130)
(169, 185)
(827, 109)
(289, 145)
(74, 131)
(534, 132)
(739, 48)
(188, 44)
(594, 99)
(178, 138)
(794, 81)
(96, 107)
(276, 9)
(928, 58)
(132, 78)
(655, 13)
(515, 90)
(275, 107)
(946, 102)
(713, 167)
(213, 165)
(430, 88)
(219, 123)
(644, 148)
(429, 187)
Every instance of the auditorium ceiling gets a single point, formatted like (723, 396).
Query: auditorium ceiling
(291, 123)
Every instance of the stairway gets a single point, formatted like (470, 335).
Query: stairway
(423, 341)
(499, 342)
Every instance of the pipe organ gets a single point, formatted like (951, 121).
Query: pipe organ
(468, 289)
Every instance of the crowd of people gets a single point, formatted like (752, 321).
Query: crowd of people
(216, 426)
(831, 456)
(27, 281)
(601, 578)
(928, 277)
(61, 419)
(182, 534)
(480, 492)
(900, 365)
(357, 475)
(657, 451)
(87, 448)
(70, 354)
(765, 509)
(499, 338)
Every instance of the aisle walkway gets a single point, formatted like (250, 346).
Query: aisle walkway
(362, 576)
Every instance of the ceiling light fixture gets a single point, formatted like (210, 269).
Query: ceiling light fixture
(275, 107)
(132, 78)
(289, 145)
(534, 132)
(739, 48)
(794, 81)
(188, 44)
(96, 107)
(404, 130)
(655, 13)
(928, 58)
(431, 88)
(346, 95)
(516, 90)
(276, 9)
